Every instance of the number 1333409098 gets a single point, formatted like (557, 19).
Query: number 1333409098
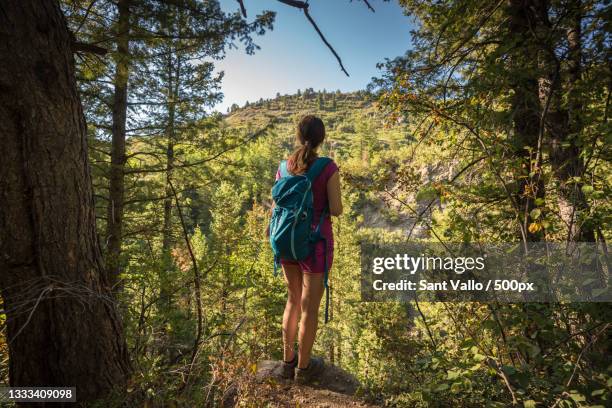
(38, 394)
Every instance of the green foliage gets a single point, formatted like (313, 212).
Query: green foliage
(434, 155)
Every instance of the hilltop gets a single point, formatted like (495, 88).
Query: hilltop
(350, 118)
(329, 104)
(360, 138)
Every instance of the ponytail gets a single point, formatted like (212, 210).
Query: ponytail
(301, 159)
(310, 134)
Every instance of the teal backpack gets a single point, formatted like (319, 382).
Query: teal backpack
(291, 235)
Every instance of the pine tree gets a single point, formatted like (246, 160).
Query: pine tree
(136, 24)
(63, 327)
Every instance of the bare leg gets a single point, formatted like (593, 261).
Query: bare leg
(311, 299)
(293, 278)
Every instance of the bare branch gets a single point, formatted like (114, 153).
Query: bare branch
(304, 6)
(325, 41)
(249, 138)
(85, 16)
(196, 272)
(90, 48)
(242, 8)
(369, 6)
(295, 3)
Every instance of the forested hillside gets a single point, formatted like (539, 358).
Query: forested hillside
(214, 246)
(134, 262)
(206, 277)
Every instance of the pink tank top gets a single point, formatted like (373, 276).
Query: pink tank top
(320, 201)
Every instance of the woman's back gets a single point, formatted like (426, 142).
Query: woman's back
(320, 198)
(307, 278)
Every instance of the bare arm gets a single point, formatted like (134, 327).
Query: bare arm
(333, 194)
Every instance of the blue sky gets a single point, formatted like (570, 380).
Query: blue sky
(293, 57)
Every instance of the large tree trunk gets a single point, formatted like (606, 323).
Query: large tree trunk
(525, 22)
(62, 326)
(167, 229)
(114, 227)
(565, 127)
(522, 23)
(167, 239)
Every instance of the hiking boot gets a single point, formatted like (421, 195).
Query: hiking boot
(288, 368)
(312, 373)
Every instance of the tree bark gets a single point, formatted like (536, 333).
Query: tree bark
(166, 270)
(526, 110)
(167, 231)
(63, 328)
(173, 73)
(565, 128)
(114, 227)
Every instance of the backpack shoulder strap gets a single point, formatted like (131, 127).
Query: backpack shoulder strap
(283, 169)
(317, 167)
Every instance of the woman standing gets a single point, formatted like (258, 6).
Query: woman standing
(306, 279)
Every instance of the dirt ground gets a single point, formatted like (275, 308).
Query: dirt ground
(335, 389)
